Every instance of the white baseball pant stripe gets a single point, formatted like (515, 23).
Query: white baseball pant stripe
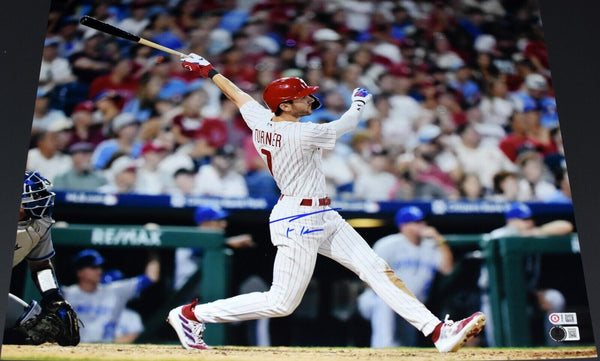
(300, 233)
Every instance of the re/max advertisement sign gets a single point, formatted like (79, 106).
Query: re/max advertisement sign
(126, 237)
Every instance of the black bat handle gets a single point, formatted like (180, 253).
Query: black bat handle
(107, 28)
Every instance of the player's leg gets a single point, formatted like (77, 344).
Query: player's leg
(292, 271)
(17, 313)
(291, 274)
(348, 248)
(14, 310)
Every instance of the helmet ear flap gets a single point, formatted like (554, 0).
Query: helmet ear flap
(316, 104)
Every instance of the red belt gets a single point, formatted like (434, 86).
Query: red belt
(309, 202)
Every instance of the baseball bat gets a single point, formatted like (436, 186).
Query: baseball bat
(120, 33)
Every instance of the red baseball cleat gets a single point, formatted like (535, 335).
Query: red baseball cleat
(449, 336)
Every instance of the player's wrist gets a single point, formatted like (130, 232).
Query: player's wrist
(50, 297)
(440, 240)
(212, 72)
(357, 105)
(45, 280)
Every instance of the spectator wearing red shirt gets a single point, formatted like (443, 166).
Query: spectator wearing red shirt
(535, 50)
(519, 138)
(439, 19)
(203, 135)
(539, 133)
(108, 104)
(119, 79)
(187, 13)
(534, 130)
(434, 167)
(235, 67)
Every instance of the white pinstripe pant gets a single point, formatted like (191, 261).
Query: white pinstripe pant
(317, 230)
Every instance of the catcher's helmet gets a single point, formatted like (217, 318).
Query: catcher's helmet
(284, 89)
(37, 200)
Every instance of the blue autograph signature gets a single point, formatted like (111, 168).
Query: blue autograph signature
(304, 230)
(298, 216)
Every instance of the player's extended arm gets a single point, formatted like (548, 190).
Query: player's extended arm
(349, 120)
(197, 64)
(447, 259)
(447, 264)
(153, 270)
(553, 228)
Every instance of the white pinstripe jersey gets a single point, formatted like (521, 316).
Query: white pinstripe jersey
(291, 150)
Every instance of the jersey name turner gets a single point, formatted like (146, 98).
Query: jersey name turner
(267, 138)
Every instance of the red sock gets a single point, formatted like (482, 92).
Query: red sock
(435, 335)
(188, 311)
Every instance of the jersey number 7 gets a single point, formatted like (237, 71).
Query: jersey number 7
(269, 160)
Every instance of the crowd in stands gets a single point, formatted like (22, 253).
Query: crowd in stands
(463, 99)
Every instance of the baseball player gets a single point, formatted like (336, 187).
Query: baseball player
(415, 254)
(100, 305)
(519, 222)
(302, 225)
(130, 324)
(187, 260)
(53, 320)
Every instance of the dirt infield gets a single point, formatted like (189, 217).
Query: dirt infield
(110, 352)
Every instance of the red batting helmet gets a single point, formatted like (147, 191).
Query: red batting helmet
(281, 90)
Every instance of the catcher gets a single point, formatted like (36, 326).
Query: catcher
(53, 319)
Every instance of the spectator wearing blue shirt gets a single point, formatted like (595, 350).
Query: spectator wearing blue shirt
(473, 22)
(126, 127)
(402, 24)
(537, 87)
(130, 324)
(563, 191)
(100, 305)
(163, 30)
(466, 86)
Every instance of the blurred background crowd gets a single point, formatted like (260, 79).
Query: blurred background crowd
(463, 101)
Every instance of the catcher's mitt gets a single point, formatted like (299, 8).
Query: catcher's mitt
(57, 323)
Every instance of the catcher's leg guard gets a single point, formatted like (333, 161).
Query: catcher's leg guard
(14, 310)
(31, 312)
(15, 334)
